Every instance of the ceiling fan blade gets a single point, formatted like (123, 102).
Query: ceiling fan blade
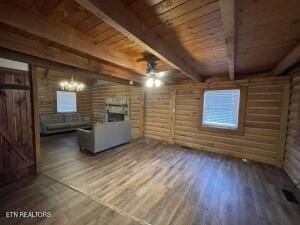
(148, 58)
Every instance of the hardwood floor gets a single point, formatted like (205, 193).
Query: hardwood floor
(148, 182)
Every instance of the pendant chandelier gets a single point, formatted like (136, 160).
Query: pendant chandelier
(71, 85)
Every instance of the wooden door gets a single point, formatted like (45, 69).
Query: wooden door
(17, 157)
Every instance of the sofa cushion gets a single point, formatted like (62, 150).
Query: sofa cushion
(52, 118)
(72, 117)
(80, 124)
(56, 126)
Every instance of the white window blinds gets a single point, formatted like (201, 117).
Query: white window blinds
(221, 108)
(66, 101)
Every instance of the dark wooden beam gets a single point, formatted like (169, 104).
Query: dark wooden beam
(61, 34)
(58, 66)
(227, 8)
(35, 106)
(114, 13)
(52, 55)
(289, 60)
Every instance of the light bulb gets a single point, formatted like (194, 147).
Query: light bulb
(157, 83)
(149, 82)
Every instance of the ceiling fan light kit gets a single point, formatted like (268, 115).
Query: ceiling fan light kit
(152, 80)
(149, 82)
(157, 83)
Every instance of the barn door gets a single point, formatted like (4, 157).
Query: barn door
(17, 158)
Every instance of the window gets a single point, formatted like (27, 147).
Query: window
(221, 109)
(66, 101)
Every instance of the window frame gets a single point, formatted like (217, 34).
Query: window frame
(76, 107)
(242, 110)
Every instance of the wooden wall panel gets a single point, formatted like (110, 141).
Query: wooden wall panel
(17, 157)
(157, 114)
(136, 99)
(261, 139)
(48, 84)
(261, 147)
(292, 151)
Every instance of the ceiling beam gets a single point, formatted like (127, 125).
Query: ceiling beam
(61, 34)
(290, 59)
(32, 60)
(227, 8)
(38, 50)
(114, 13)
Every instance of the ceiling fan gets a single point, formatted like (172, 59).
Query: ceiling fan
(155, 77)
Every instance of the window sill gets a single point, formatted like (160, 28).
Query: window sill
(238, 131)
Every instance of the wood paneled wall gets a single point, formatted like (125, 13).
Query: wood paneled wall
(48, 84)
(292, 154)
(136, 99)
(157, 114)
(173, 115)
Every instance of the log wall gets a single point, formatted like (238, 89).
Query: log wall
(48, 84)
(136, 96)
(292, 154)
(172, 114)
(157, 114)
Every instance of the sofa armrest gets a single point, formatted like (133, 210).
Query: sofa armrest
(43, 126)
(85, 138)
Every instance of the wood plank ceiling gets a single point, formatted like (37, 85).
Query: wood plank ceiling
(265, 31)
(193, 27)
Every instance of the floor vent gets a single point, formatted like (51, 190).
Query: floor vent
(290, 196)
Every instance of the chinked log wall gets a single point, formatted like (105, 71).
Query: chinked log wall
(48, 84)
(292, 156)
(171, 115)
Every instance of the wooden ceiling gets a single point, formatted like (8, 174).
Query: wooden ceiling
(267, 31)
(263, 32)
(192, 27)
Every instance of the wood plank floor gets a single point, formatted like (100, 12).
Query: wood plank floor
(148, 182)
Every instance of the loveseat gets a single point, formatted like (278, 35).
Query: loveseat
(61, 122)
(104, 136)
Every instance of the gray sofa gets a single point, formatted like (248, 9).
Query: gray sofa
(104, 136)
(61, 122)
